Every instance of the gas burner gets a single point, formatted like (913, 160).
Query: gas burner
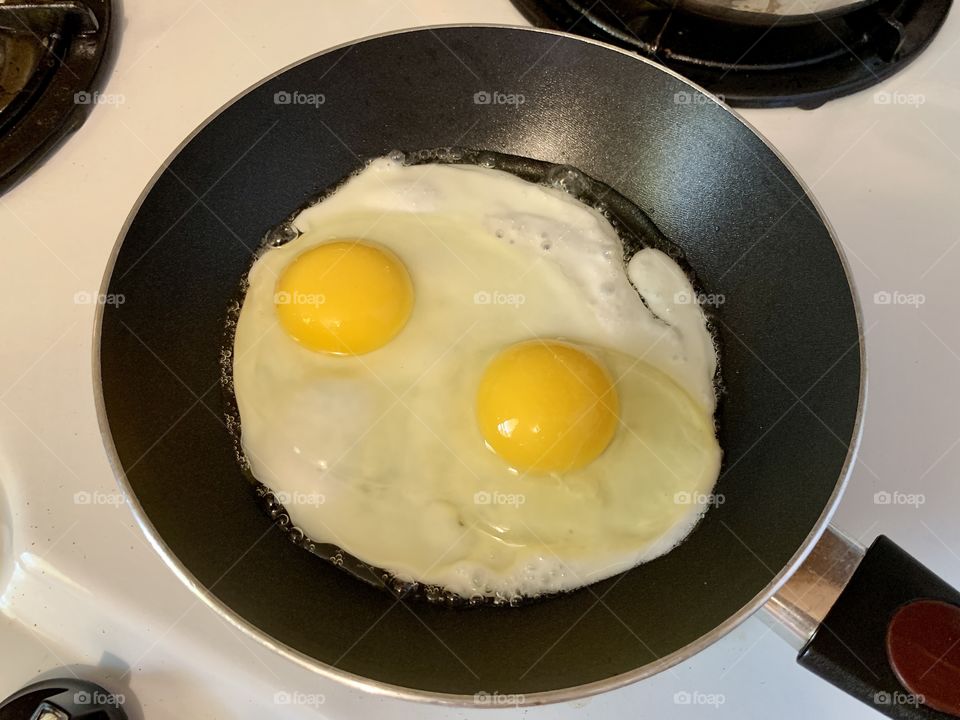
(63, 699)
(756, 59)
(51, 56)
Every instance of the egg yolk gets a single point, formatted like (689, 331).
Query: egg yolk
(345, 298)
(547, 406)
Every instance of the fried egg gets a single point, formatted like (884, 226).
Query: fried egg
(452, 374)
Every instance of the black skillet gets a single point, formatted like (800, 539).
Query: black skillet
(791, 355)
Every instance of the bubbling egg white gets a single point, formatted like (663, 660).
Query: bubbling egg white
(380, 453)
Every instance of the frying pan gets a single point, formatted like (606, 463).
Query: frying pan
(789, 417)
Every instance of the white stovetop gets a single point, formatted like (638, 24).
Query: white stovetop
(81, 588)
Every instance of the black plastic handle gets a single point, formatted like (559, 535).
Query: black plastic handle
(892, 639)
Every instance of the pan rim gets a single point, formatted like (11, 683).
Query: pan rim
(399, 692)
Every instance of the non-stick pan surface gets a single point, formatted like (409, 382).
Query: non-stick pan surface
(788, 327)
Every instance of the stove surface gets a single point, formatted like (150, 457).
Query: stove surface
(82, 592)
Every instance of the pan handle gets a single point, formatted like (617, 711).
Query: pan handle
(878, 625)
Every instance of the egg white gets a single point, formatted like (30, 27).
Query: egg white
(380, 453)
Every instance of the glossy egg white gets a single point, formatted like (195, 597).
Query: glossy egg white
(380, 453)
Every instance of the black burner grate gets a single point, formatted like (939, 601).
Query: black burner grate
(774, 64)
(51, 57)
